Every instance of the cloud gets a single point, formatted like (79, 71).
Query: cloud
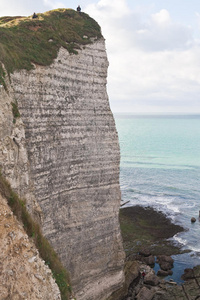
(22, 8)
(160, 33)
(154, 61)
(162, 17)
(53, 4)
(115, 8)
(27, 7)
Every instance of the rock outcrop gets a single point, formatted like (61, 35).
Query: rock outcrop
(153, 287)
(23, 275)
(62, 155)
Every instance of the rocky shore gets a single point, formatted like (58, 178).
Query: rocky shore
(153, 287)
(145, 233)
(145, 227)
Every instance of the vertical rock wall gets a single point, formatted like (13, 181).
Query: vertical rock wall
(73, 156)
(14, 162)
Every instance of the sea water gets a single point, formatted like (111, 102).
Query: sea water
(160, 167)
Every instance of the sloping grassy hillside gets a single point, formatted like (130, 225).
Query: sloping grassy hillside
(24, 40)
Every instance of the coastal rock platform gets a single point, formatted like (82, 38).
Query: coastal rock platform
(145, 233)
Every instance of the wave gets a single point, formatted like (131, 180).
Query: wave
(162, 161)
(186, 244)
(158, 203)
(194, 248)
(154, 195)
(138, 164)
(180, 240)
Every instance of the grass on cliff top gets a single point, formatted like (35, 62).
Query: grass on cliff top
(24, 40)
(34, 232)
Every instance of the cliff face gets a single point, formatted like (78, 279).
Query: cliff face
(23, 273)
(62, 154)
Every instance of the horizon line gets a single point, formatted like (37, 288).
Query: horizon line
(159, 113)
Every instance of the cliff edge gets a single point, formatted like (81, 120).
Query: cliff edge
(58, 142)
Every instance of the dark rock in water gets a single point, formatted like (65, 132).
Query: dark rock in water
(193, 220)
(165, 262)
(165, 266)
(164, 273)
(170, 272)
(151, 279)
(188, 274)
(165, 258)
(150, 260)
(145, 252)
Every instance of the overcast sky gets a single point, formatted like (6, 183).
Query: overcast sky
(153, 48)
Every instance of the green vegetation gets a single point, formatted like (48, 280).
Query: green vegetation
(15, 111)
(33, 230)
(24, 41)
(146, 228)
(2, 76)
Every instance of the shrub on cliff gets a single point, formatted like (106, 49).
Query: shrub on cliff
(15, 111)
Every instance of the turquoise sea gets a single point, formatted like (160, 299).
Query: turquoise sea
(160, 167)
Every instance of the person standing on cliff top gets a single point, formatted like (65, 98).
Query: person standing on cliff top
(34, 16)
(79, 9)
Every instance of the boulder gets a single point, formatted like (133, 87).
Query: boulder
(165, 262)
(132, 272)
(150, 260)
(165, 266)
(145, 252)
(170, 272)
(164, 273)
(188, 274)
(193, 220)
(165, 258)
(160, 295)
(151, 279)
(145, 294)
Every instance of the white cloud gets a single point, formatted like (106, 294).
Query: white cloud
(27, 7)
(53, 4)
(115, 8)
(20, 8)
(197, 15)
(154, 61)
(162, 17)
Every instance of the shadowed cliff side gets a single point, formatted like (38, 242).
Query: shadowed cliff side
(61, 151)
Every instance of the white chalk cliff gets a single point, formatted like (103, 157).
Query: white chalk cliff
(62, 155)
